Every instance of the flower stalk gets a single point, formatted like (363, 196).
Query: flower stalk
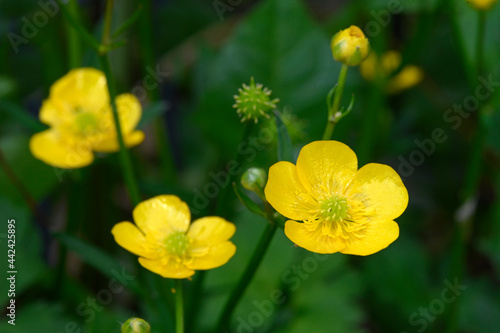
(254, 263)
(334, 114)
(125, 159)
(179, 307)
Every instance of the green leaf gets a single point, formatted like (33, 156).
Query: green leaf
(22, 116)
(28, 259)
(284, 143)
(100, 260)
(247, 202)
(38, 177)
(39, 316)
(321, 294)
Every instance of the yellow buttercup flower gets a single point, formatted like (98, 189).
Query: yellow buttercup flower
(79, 114)
(168, 245)
(340, 208)
(350, 46)
(408, 77)
(482, 4)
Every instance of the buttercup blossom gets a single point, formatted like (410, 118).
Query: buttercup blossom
(408, 77)
(350, 46)
(79, 114)
(340, 208)
(168, 245)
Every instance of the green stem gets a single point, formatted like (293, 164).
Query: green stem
(73, 38)
(480, 42)
(125, 160)
(108, 16)
(246, 278)
(179, 307)
(76, 25)
(148, 61)
(332, 110)
(221, 209)
(473, 174)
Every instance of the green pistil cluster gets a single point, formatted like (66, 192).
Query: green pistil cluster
(177, 243)
(334, 208)
(86, 122)
(253, 101)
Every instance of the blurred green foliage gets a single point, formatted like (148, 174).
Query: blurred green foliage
(283, 44)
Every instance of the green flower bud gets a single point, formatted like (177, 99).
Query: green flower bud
(254, 179)
(136, 325)
(253, 102)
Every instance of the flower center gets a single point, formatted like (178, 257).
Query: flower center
(86, 122)
(334, 208)
(177, 243)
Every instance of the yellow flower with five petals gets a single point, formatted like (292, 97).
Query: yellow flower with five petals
(340, 208)
(79, 114)
(168, 245)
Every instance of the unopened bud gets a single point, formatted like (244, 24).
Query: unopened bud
(350, 46)
(254, 179)
(136, 325)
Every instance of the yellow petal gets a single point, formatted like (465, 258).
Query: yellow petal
(326, 167)
(168, 268)
(408, 77)
(53, 149)
(132, 239)
(368, 67)
(109, 143)
(285, 192)
(162, 215)
(377, 236)
(381, 189)
(84, 88)
(129, 111)
(211, 230)
(216, 256)
(314, 240)
(54, 113)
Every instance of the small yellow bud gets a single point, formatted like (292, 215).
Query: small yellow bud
(385, 65)
(350, 46)
(136, 325)
(254, 179)
(482, 4)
